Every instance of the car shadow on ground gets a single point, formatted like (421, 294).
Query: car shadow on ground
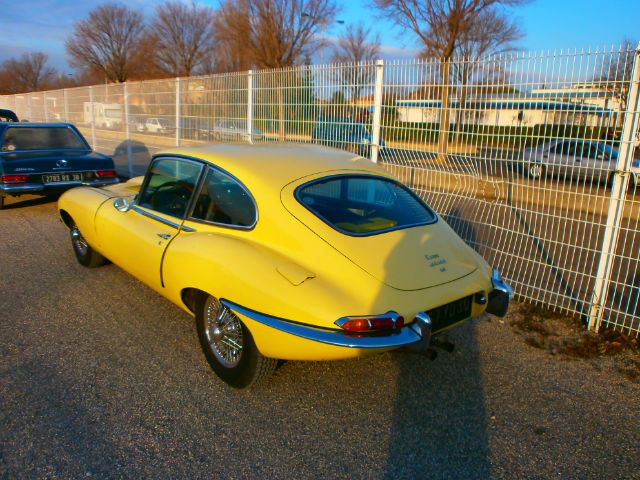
(439, 427)
(439, 421)
(24, 201)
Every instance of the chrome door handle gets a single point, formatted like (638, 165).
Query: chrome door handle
(165, 236)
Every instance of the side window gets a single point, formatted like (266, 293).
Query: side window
(169, 186)
(223, 200)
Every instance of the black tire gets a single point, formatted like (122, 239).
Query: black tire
(86, 255)
(1, 202)
(535, 170)
(219, 330)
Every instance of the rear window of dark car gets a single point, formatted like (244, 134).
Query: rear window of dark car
(364, 205)
(42, 138)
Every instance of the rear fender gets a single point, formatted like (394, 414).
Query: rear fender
(253, 276)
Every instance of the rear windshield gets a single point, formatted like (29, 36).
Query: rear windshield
(42, 138)
(364, 205)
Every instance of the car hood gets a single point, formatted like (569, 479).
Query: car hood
(25, 162)
(413, 258)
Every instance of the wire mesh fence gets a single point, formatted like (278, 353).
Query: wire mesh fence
(531, 158)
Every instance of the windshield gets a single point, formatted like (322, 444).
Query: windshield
(42, 138)
(364, 205)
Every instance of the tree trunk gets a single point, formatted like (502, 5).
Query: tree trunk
(443, 142)
(281, 131)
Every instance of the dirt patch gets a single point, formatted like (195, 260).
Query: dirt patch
(567, 337)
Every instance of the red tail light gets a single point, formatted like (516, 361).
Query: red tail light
(371, 323)
(106, 173)
(14, 178)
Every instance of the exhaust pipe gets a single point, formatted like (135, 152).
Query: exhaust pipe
(442, 341)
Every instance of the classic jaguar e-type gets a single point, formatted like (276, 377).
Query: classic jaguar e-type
(294, 252)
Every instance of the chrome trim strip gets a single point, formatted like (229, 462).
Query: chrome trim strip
(156, 217)
(405, 336)
(501, 285)
(22, 188)
(188, 229)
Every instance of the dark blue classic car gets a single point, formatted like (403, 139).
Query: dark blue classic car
(47, 158)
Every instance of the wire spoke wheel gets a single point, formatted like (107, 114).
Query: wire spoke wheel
(79, 243)
(224, 333)
(85, 255)
(229, 346)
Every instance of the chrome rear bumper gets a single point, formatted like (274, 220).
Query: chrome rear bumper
(500, 296)
(416, 334)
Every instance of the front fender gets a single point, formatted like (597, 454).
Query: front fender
(79, 205)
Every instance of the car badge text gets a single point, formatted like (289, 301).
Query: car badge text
(436, 261)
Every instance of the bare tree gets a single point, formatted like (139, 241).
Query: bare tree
(355, 49)
(615, 71)
(109, 42)
(492, 34)
(444, 26)
(182, 37)
(276, 33)
(231, 31)
(30, 73)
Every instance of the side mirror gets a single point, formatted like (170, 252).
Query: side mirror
(122, 205)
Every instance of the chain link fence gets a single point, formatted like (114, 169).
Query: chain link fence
(531, 158)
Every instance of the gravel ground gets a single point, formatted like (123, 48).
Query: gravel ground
(100, 377)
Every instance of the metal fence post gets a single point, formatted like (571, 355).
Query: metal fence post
(44, 107)
(617, 202)
(178, 111)
(65, 97)
(29, 108)
(93, 119)
(128, 129)
(250, 105)
(377, 112)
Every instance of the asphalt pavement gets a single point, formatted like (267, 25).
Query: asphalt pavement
(100, 377)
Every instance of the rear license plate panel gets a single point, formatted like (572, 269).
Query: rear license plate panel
(62, 177)
(446, 315)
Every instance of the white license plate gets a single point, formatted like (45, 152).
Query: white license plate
(62, 177)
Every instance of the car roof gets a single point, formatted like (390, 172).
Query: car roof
(36, 124)
(278, 164)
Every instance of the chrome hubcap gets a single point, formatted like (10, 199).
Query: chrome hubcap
(79, 243)
(535, 170)
(223, 330)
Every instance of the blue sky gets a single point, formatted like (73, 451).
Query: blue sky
(42, 25)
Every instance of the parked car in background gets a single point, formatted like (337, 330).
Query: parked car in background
(574, 159)
(293, 252)
(195, 128)
(8, 116)
(234, 130)
(160, 125)
(138, 123)
(44, 158)
(345, 134)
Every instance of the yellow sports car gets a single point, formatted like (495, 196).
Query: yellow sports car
(293, 252)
